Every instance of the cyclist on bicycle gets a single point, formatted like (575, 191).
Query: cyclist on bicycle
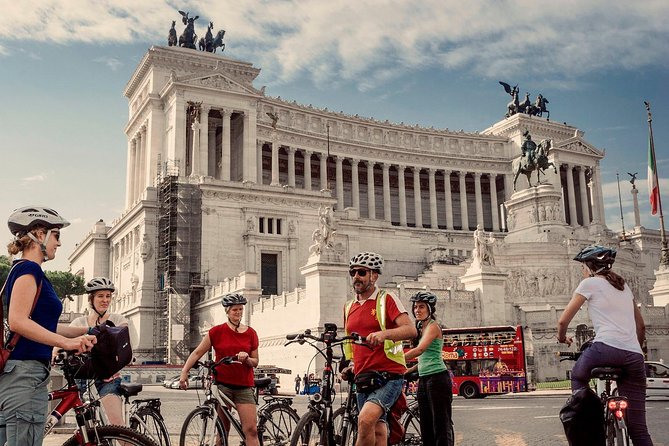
(620, 332)
(234, 380)
(100, 290)
(381, 319)
(24, 379)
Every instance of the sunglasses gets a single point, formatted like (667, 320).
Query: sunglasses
(359, 272)
(56, 234)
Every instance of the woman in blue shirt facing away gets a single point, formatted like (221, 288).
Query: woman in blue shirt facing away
(23, 381)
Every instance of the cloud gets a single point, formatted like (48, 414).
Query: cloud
(378, 39)
(113, 63)
(35, 178)
(3, 51)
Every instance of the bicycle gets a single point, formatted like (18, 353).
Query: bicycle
(316, 426)
(615, 406)
(142, 415)
(204, 427)
(90, 431)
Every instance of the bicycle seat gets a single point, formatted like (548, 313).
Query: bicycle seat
(129, 389)
(261, 383)
(611, 373)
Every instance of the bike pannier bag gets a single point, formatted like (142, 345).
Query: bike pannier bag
(110, 354)
(583, 419)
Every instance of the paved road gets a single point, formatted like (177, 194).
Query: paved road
(518, 420)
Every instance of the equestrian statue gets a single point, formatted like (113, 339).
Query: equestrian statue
(188, 38)
(534, 158)
(525, 107)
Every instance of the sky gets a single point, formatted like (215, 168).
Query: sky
(64, 65)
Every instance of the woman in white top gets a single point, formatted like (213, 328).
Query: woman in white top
(619, 329)
(100, 290)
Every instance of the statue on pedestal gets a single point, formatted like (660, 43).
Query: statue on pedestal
(172, 35)
(526, 107)
(534, 157)
(323, 236)
(188, 38)
(483, 247)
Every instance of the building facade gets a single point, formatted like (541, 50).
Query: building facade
(226, 186)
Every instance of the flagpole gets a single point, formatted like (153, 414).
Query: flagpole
(664, 256)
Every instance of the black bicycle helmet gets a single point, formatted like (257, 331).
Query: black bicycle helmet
(25, 219)
(424, 296)
(233, 299)
(368, 260)
(98, 284)
(600, 257)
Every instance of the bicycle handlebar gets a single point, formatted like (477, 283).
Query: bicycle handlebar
(211, 365)
(568, 356)
(327, 337)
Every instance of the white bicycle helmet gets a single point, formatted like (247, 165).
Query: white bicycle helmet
(369, 260)
(25, 219)
(98, 284)
(233, 299)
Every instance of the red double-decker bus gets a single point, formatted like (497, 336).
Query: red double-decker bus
(489, 360)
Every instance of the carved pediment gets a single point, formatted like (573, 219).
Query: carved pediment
(578, 145)
(216, 81)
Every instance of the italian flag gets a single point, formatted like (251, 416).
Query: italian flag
(653, 188)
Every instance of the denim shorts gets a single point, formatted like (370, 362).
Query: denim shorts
(23, 402)
(384, 396)
(105, 388)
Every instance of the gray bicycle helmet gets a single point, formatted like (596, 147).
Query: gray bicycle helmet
(25, 219)
(600, 257)
(424, 296)
(98, 284)
(369, 260)
(233, 299)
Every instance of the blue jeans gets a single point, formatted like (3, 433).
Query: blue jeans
(632, 384)
(23, 402)
(435, 400)
(384, 396)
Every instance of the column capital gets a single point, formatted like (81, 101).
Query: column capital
(323, 155)
(260, 143)
(477, 175)
(339, 159)
(370, 164)
(204, 109)
(225, 111)
(462, 173)
(432, 171)
(386, 166)
(290, 149)
(416, 168)
(447, 172)
(401, 167)
(354, 162)
(307, 153)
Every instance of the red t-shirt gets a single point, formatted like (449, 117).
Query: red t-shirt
(362, 320)
(227, 342)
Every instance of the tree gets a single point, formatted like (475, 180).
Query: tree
(5, 265)
(66, 284)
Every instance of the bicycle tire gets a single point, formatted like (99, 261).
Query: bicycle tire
(308, 431)
(411, 425)
(349, 437)
(150, 423)
(276, 424)
(198, 428)
(106, 434)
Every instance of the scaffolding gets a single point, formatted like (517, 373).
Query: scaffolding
(179, 277)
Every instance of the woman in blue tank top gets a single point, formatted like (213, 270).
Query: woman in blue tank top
(435, 388)
(23, 381)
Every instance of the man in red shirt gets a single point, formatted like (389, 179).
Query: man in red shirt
(381, 319)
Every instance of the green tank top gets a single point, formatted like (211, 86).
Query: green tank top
(430, 361)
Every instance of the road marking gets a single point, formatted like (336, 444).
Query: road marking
(548, 416)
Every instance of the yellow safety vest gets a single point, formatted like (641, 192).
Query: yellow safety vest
(393, 349)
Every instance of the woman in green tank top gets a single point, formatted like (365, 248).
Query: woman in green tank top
(435, 389)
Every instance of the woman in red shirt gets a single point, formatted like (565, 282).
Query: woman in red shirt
(235, 380)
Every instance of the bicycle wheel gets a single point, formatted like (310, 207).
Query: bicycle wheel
(411, 426)
(202, 427)
(349, 437)
(150, 423)
(308, 431)
(276, 424)
(111, 436)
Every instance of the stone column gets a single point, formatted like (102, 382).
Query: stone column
(204, 140)
(195, 158)
(387, 209)
(275, 161)
(463, 201)
(291, 166)
(635, 198)
(573, 219)
(324, 171)
(508, 186)
(492, 178)
(180, 118)
(584, 196)
(418, 205)
(600, 197)
(339, 177)
(211, 151)
(307, 169)
(259, 145)
(448, 199)
(479, 199)
(371, 201)
(138, 166)
(403, 197)
(249, 150)
(226, 114)
(130, 173)
(355, 185)
(434, 223)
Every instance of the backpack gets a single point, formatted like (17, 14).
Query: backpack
(583, 419)
(109, 355)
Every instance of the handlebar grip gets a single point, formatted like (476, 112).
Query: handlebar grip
(568, 355)
(291, 337)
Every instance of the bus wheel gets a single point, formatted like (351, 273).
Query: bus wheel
(469, 391)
